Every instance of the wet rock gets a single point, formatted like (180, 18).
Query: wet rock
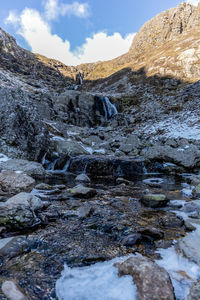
(14, 182)
(189, 226)
(152, 232)
(152, 281)
(153, 182)
(194, 293)
(82, 178)
(13, 246)
(82, 191)
(44, 187)
(12, 290)
(107, 165)
(172, 169)
(20, 211)
(196, 191)
(122, 180)
(132, 239)
(190, 246)
(31, 168)
(154, 200)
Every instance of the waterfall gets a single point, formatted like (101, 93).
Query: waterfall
(105, 107)
(66, 167)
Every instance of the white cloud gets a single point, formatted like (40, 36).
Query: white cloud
(36, 30)
(193, 2)
(104, 47)
(53, 9)
(12, 18)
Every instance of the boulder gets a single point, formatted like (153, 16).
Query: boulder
(132, 239)
(188, 157)
(31, 168)
(82, 191)
(13, 246)
(82, 178)
(68, 148)
(107, 165)
(14, 182)
(19, 212)
(44, 187)
(152, 281)
(76, 108)
(154, 200)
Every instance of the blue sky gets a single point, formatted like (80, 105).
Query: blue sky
(78, 31)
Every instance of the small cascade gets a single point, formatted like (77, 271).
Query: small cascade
(51, 166)
(66, 166)
(85, 168)
(105, 107)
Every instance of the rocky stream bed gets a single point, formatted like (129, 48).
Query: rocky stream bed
(84, 221)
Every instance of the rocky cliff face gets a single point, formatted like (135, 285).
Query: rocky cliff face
(167, 45)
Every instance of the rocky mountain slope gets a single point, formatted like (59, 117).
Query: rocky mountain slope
(167, 45)
(50, 133)
(147, 89)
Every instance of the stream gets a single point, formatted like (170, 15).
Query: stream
(71, 254)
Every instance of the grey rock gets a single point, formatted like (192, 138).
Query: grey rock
(132, 239)
(82, 191)
(126, 148)
(13, 182)
(82, 178)
(152, 281)
(68, 148)
(22, 132)
(44, 187)
(20, 211)
(13, 246)
(31, 168)
(154, 200)
(186, 157)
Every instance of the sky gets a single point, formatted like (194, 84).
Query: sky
(79, 31)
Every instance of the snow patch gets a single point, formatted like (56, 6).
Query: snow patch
(97, 282)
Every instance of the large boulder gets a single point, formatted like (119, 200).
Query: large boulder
(14, 182)
(152, 281)
(30, 168)
(75, 108)
(188, 157)
(22, 132)
(154, 200)
(19, 212)
(82, 191)
(107, 165)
